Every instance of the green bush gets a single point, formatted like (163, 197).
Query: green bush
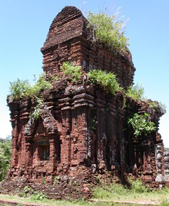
(22, 88)
(141, 124)
(41, 85)
(19, 88)
(108, 30)
(107, 80)
(71, 70)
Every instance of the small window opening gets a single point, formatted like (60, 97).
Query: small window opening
(45, 152)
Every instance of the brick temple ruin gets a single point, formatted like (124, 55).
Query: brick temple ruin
(63, 144)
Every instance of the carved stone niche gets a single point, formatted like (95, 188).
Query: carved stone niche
(43, 148)
(166, 166)
(43, 142)
(159, 157)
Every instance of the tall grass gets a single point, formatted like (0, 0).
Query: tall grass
(107, 30)
(115, 192)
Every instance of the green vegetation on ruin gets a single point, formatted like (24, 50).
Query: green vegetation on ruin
(22, 88)
(156, 105)
(141, 124)
(135, 92)
(108, 31)
(71, 70)
(37, 110)
(106, 80)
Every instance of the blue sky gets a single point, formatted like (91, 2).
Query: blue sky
(24, 26)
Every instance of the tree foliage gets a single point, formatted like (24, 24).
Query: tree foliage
(107, 30)
(141, 124)
(5, 155)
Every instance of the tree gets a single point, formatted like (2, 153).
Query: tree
(5, 155)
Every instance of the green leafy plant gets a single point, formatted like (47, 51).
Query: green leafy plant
(37, 110)
(107, 30)
(107, 80)
(141, 124)
(27, 190)
(135, 92)
(71, 70)
(38, 196)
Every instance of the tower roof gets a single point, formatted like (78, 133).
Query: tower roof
(68, 13)
(72, 19)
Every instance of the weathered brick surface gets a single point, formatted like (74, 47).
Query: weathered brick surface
(70, 40)
(82, 130)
